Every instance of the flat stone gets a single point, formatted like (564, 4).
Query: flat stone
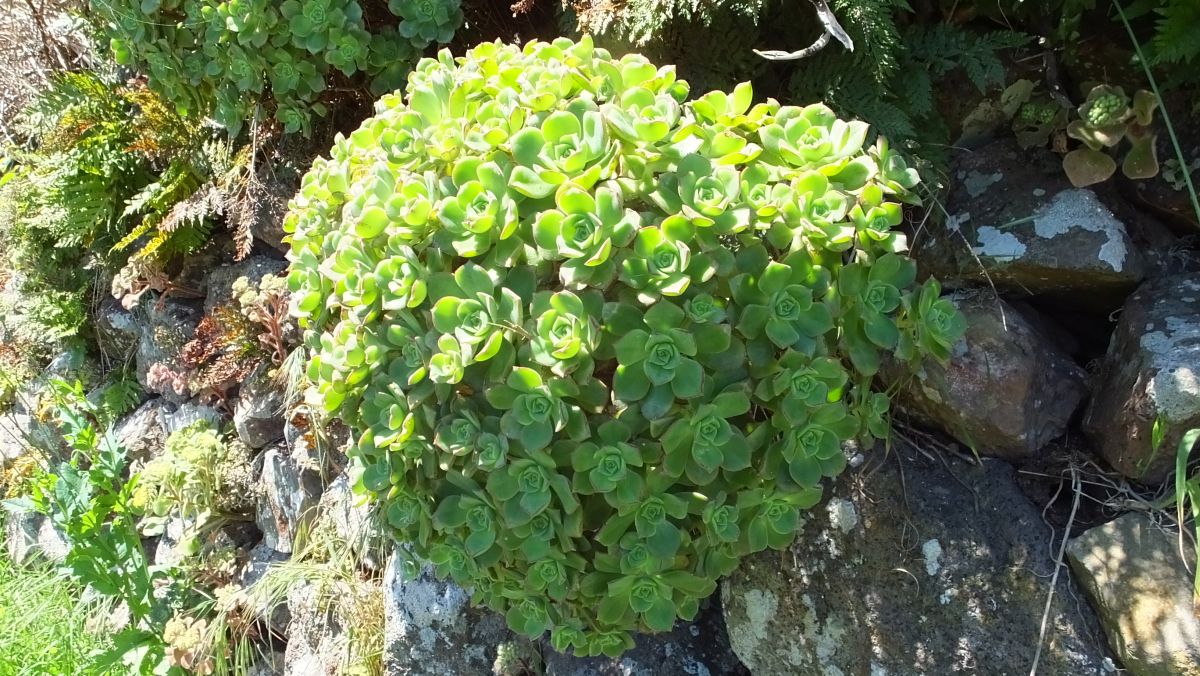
(1150, 373)
(1133, 574)
(913, 567)
(1014, 221)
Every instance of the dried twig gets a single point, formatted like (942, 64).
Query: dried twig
(1058, 565)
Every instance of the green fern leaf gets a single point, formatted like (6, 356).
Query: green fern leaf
(1178, 37)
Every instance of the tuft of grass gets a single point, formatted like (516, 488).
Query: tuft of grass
(346, 596)
(43, 625)
(1187, 490)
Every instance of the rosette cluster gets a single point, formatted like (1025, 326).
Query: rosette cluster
(597, 341)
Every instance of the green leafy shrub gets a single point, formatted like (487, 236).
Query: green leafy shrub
(223, 58)
(599, 342)
(89, 499)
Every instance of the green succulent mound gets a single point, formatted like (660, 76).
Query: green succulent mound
(600, 342)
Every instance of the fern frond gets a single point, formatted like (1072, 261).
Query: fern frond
(942, 48)
(1178, 37)
(150, 249)
(917, 94)
(142, 228)
(73, 104)
(188, 239)
(141, 200)
(872, 24)
(194, 209)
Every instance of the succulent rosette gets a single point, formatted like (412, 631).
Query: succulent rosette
(597, 342)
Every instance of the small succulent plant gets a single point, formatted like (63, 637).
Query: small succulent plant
(598, 342)
(1106, 118)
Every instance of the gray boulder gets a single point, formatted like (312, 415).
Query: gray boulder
(1014, 220)
(1007, 391)
(1150, 373)
(258, 415)
(31, 537)
(187, 414)
(117, 329)
(20, 434)
(259, 560)
(143, 432)
(929, 567)
(1132, 572)
(431, 629)
(322, 638)
(290, 491)
(181, 541)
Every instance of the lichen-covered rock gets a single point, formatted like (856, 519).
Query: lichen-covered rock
(942, 569)
(353, 520)
(1132, 572)
(30, 536)
(322, 633)
(1013, 220)
(692, 649)
(258, 416)
(1007, 390)
(1151, 372)
(431, 629)
(290, 491)
(143, 432)
(219, 282)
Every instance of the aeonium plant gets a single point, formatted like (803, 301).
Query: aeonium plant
(599, 342)
(1105, 118)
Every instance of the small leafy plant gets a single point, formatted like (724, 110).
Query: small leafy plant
(599, 342)
(199, 478)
